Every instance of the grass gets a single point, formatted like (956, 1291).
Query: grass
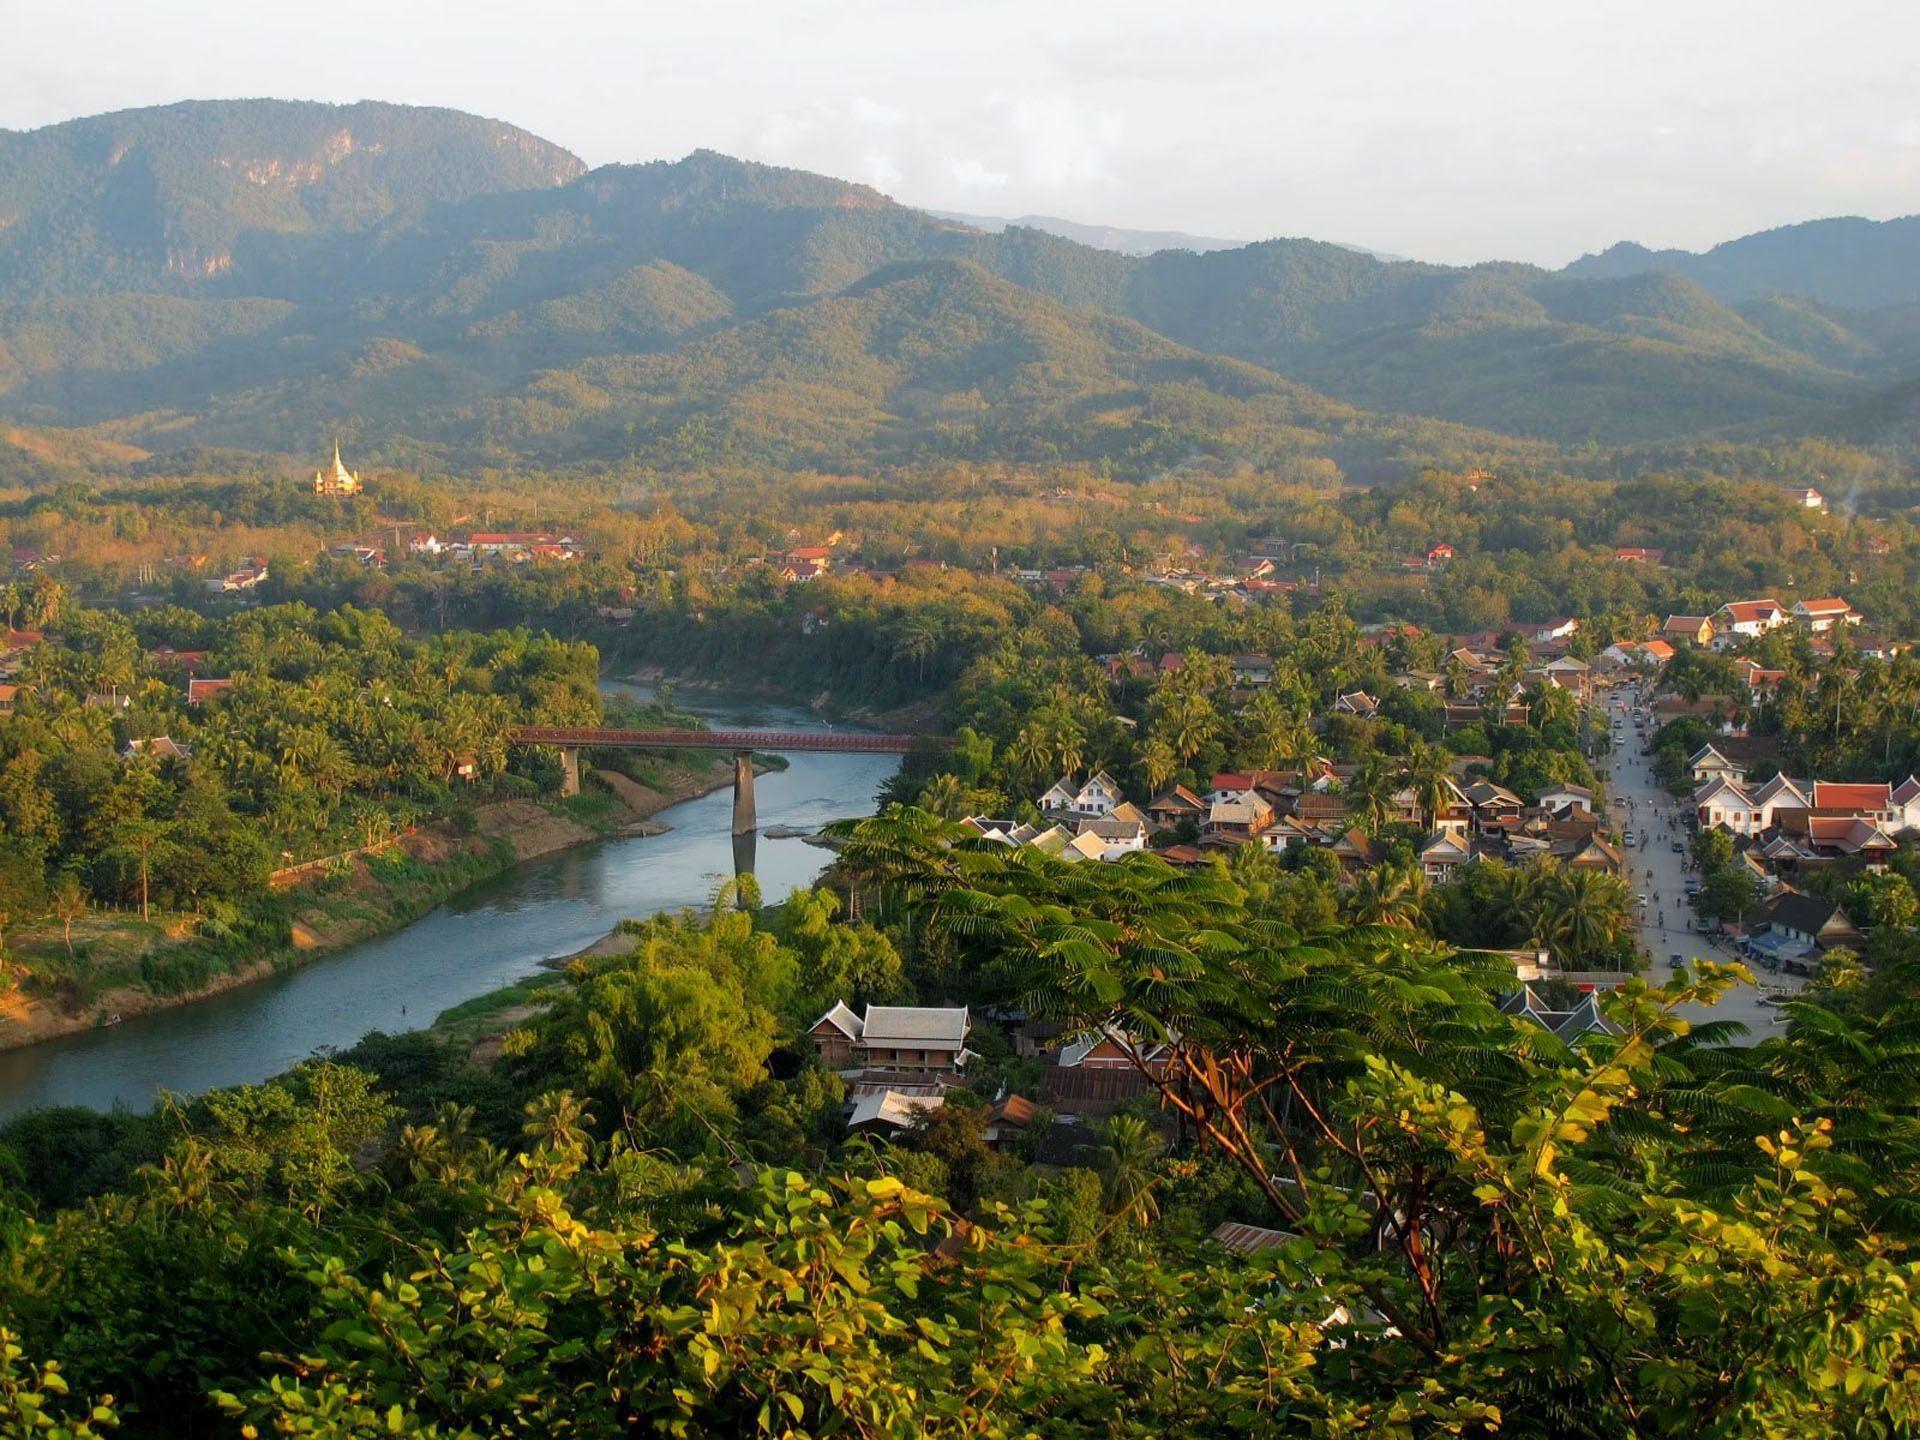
(466, 1024)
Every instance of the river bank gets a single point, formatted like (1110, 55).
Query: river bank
(495, 933)
(363, 898)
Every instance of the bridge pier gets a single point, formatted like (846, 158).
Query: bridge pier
(744, 820)
(569, 770)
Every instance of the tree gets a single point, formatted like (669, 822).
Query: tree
(1131, 1146)
(69, 902)
(1372, 794)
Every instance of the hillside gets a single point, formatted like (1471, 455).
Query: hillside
(412, 278)
(1865, 264)
(188, 197)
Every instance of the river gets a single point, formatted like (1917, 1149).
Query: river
(489, 936)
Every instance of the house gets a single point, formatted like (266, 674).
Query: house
(1643, 654)
(1687, 629)
(1729, 804)
(1808, 498)
(1441, 852)
(1116, 837)
(1592, 853)
(200, 691)
(1708, 761)
(1819, 616)
(1905, 798)
(836, 1035)
(1637, 555)
(1251, 669)
(1241, 1239)
(1802, 920)
(1562, 628)
(1171, 807)
(1358, 702)
(1875, 802)
(161, 747)
(1440, 554)
(1568, 673)
(1010, 1116)
(247, 577)
(1491, 803)
(914, 1039)
(190, 662)
(1111, 1048)
(1746, 620)
(1566, 797)
(424, 543)
(888, 1112)
(1569, 1026)
(1096, 798)
(8, 695)
(1237, 817)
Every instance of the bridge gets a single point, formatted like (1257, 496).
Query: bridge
(569, 740)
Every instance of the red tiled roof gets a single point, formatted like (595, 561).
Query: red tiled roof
(1830, 796)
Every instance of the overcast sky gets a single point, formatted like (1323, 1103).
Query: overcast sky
(1464, 130)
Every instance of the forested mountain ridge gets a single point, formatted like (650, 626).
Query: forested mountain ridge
(262, 274)
(1846, 260)
(163, 198)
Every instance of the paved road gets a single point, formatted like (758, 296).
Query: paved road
(1654, 870)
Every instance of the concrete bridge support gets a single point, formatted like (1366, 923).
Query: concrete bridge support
(569, 770)
(744, 820)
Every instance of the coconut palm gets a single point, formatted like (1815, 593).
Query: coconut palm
(1427, 772)
(1131, 1146)
(1371, 794)
(1389, 894)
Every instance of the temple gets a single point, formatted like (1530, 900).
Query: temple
(338, 481)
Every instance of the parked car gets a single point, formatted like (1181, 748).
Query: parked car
(1678, 848)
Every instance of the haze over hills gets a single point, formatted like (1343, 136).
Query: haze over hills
(1101, 237)
(257, 274)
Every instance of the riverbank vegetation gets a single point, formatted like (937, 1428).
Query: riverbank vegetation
(185, 800)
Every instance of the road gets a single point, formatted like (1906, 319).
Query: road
(1641, 805)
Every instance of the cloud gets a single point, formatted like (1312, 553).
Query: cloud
(1027, 145)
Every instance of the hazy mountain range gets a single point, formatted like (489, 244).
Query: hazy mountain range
(258, 274)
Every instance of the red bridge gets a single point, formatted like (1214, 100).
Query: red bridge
(569, 740)
(852, 742)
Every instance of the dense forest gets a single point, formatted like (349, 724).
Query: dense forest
(646, 1218)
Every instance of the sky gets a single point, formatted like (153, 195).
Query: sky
(1458, 131)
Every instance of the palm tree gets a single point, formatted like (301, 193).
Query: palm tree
(944, 796)
(1427, 772)
(1371, 793)
(1589, 913)
(916, 641)
(1389, 894)
(1031, 752)
(1131, 1146)
(1158, 764)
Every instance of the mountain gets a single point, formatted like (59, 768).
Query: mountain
(171, 198)
(261, 275)
(1865, 264)
(1112, 237)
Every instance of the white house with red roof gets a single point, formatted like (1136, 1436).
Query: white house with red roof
(1746, 620)
(1819, 616)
